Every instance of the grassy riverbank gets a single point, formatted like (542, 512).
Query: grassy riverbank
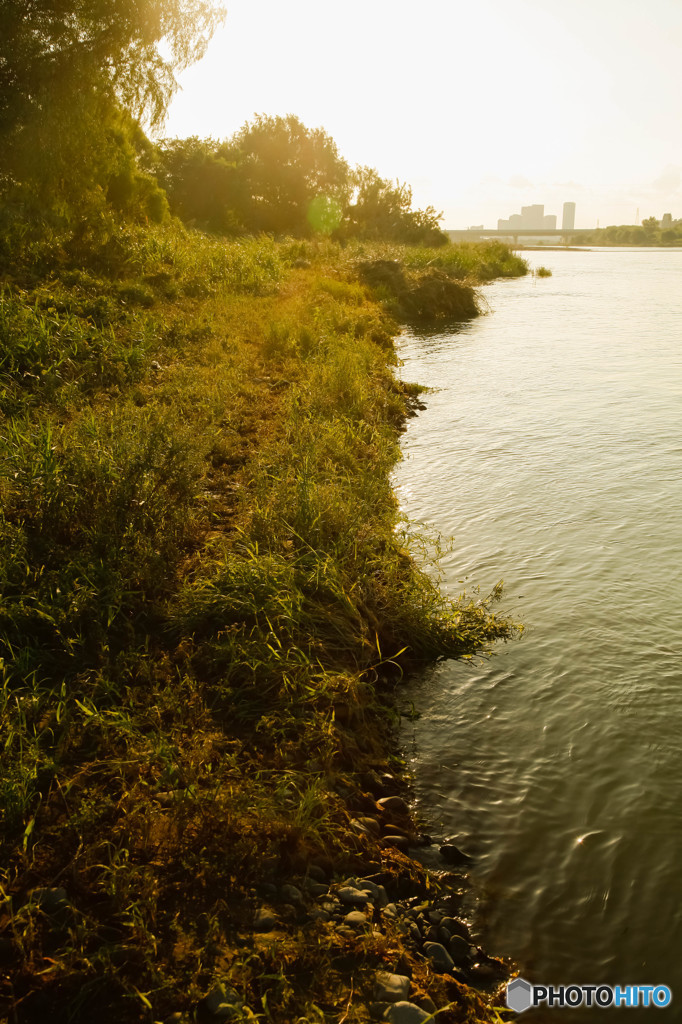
(207, 605)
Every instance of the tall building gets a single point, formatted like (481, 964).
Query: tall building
(667, 220)
(533, 216)
(568, 221)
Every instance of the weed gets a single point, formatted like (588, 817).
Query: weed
(207, 599)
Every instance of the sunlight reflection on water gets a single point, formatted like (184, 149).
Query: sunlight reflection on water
(551, 451)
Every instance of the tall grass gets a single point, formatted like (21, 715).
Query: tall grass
(205, 603)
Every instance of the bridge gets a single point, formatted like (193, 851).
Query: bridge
(476, 234)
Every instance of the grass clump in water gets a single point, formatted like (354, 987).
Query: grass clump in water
(421, 284)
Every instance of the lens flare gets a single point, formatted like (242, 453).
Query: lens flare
(324, 214)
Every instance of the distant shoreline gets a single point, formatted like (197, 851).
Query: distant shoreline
(592, 248)
(549, 248)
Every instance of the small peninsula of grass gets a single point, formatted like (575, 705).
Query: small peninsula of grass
(207, 605)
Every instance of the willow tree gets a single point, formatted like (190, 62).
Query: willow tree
(73, 73)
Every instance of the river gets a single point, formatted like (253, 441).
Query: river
(551, 451)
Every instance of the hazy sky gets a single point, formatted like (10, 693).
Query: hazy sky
(481, 106)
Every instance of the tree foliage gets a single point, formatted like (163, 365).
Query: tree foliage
(383, 209)
(649, 232)
(287, 166)
(68, 69)
(276, 175)
(204, 183)
(77, 80)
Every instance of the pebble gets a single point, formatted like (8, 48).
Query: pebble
(377, 892)
(483, 974)
(371, 824)
(290, 894)
(499, 966)
(394, 830)
(418, 904)
(372, 782)
(453, 855)
(394, 805)
(264, 920)
(391, 988)
(427, 1003)
(405, 1013)
(439, 956)
(349, 894)
(397, 842)
(459, 949)
(381, 898)
(222, 1003)
(391, 911)
(359, 827)
(316, 888)
(318, 914)
(364, 885)
(455, 927)
(356, 919)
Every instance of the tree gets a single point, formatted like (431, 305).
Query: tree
(287, 166)
(382, 209)
(67, 69)
(204, 183)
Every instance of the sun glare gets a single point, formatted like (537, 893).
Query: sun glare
(462, 101)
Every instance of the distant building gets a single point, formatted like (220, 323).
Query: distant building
(533, 216)
(667, 220)
(475, 227)
(568, 220)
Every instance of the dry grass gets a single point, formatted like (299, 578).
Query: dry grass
(206, 608)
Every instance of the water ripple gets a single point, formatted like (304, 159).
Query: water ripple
(551, 453)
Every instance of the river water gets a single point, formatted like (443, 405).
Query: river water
(552, 452)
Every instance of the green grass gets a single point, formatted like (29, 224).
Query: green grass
(472, 261)
(207, 604)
